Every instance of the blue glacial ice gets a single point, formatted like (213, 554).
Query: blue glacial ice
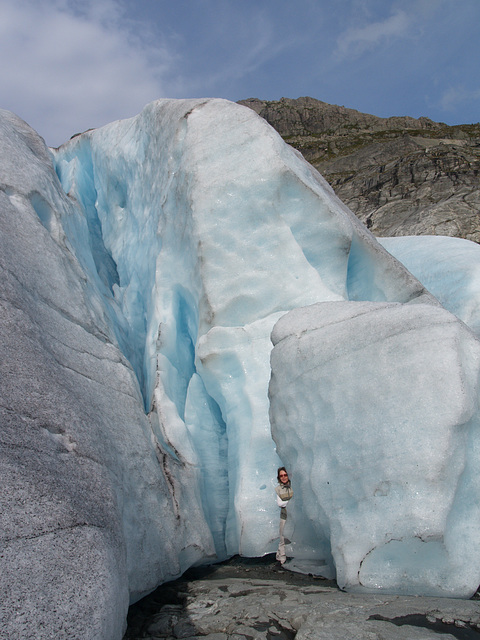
(206, 229)
(156, 263)
(215, 229)
(448, 267)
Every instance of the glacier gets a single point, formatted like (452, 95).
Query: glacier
(388, 481)
(186, 306)
(448, 267)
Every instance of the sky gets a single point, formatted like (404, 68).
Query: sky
(72, 65)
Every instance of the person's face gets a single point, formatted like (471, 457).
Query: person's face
(283, 475)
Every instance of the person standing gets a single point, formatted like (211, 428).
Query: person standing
(284, 493)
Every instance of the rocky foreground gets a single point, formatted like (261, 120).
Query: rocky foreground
(256, 598)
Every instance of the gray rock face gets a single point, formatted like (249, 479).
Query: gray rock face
(239, 600)
(308, 117)
(400, 175)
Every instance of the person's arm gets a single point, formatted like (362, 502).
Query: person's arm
(281, 503)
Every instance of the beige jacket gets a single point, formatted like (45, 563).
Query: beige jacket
(284, 494)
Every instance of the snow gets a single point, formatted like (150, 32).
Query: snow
(173, 246)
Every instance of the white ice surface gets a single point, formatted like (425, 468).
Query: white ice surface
(374, 409)
(448, 267)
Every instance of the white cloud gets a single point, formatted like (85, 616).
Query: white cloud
(75, 65)
(356, 40)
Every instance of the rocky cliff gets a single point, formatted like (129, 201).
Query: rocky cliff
(399, 175)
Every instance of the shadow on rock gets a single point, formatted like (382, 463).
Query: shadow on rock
(255, 598)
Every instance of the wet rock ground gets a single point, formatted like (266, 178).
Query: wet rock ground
(257, 599)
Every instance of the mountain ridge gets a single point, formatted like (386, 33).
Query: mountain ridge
(400, 175)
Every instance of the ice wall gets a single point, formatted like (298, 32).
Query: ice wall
(374, 407)
(216, 228)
